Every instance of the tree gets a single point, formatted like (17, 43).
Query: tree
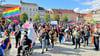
(23, 17)
(47, 17)
(56, 17)
(36, 18)
(64, 18)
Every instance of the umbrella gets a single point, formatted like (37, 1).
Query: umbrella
(15, 21)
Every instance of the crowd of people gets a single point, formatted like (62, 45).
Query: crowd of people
(48, 34)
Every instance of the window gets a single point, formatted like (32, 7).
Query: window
(26, 9)
(98, 12)
(30, 9)
(30, 14)
(33, 9)
(23, 8)
(36, 9)
(58, 12)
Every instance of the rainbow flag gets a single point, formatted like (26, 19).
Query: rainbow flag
(11, 12)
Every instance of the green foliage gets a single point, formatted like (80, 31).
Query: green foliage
(56, 17)
(64, 18)
(36, 18)
(47, 17)
(23, 17)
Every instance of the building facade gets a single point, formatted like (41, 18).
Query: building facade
(80, 17)
(96, 15)
(32, 9)
(41, 12)
(29, 8)
(61, 12)
(88, 17)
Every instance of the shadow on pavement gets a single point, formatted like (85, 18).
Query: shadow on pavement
(65, 51)
(39, 54)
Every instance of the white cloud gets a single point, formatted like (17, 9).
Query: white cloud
(87, 3)
(76, 9)
(95, 4)
(82, 11)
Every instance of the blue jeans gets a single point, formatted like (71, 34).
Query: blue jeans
(44, 44)
(1, 51)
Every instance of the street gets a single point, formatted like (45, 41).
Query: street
(65, 49)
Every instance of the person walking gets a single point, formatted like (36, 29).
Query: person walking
(44, 40)
(96, 39)
(17, 37)
(61, 34)
(86, 36)
(77, 37)
(53, 36)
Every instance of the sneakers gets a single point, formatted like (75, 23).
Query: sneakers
(18, 55)
(15, 46)
(46, 49)
(42, 52)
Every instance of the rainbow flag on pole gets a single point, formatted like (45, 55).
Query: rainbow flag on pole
(11, 12)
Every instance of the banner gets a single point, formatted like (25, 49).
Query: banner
(54, 22)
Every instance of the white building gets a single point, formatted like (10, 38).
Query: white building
(96, 15)
(32, 9)
(41, 12)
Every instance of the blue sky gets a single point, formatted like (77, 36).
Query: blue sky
(48, 4)
(58, 4)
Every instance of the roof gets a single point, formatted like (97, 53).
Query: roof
(98, 10)
(62, 11)
(9, 5)
(47, 11)
(80, 14)
(41, 8)
(29, 3)
(90, 13)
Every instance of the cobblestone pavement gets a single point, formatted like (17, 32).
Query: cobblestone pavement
(65, 49)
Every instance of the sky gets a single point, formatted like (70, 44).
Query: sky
(82, 6)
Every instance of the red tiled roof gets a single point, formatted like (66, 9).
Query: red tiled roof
(80, 14)
(90, 13)
(9, 5)
(98, 10)
(62, 11)
(47, 11)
